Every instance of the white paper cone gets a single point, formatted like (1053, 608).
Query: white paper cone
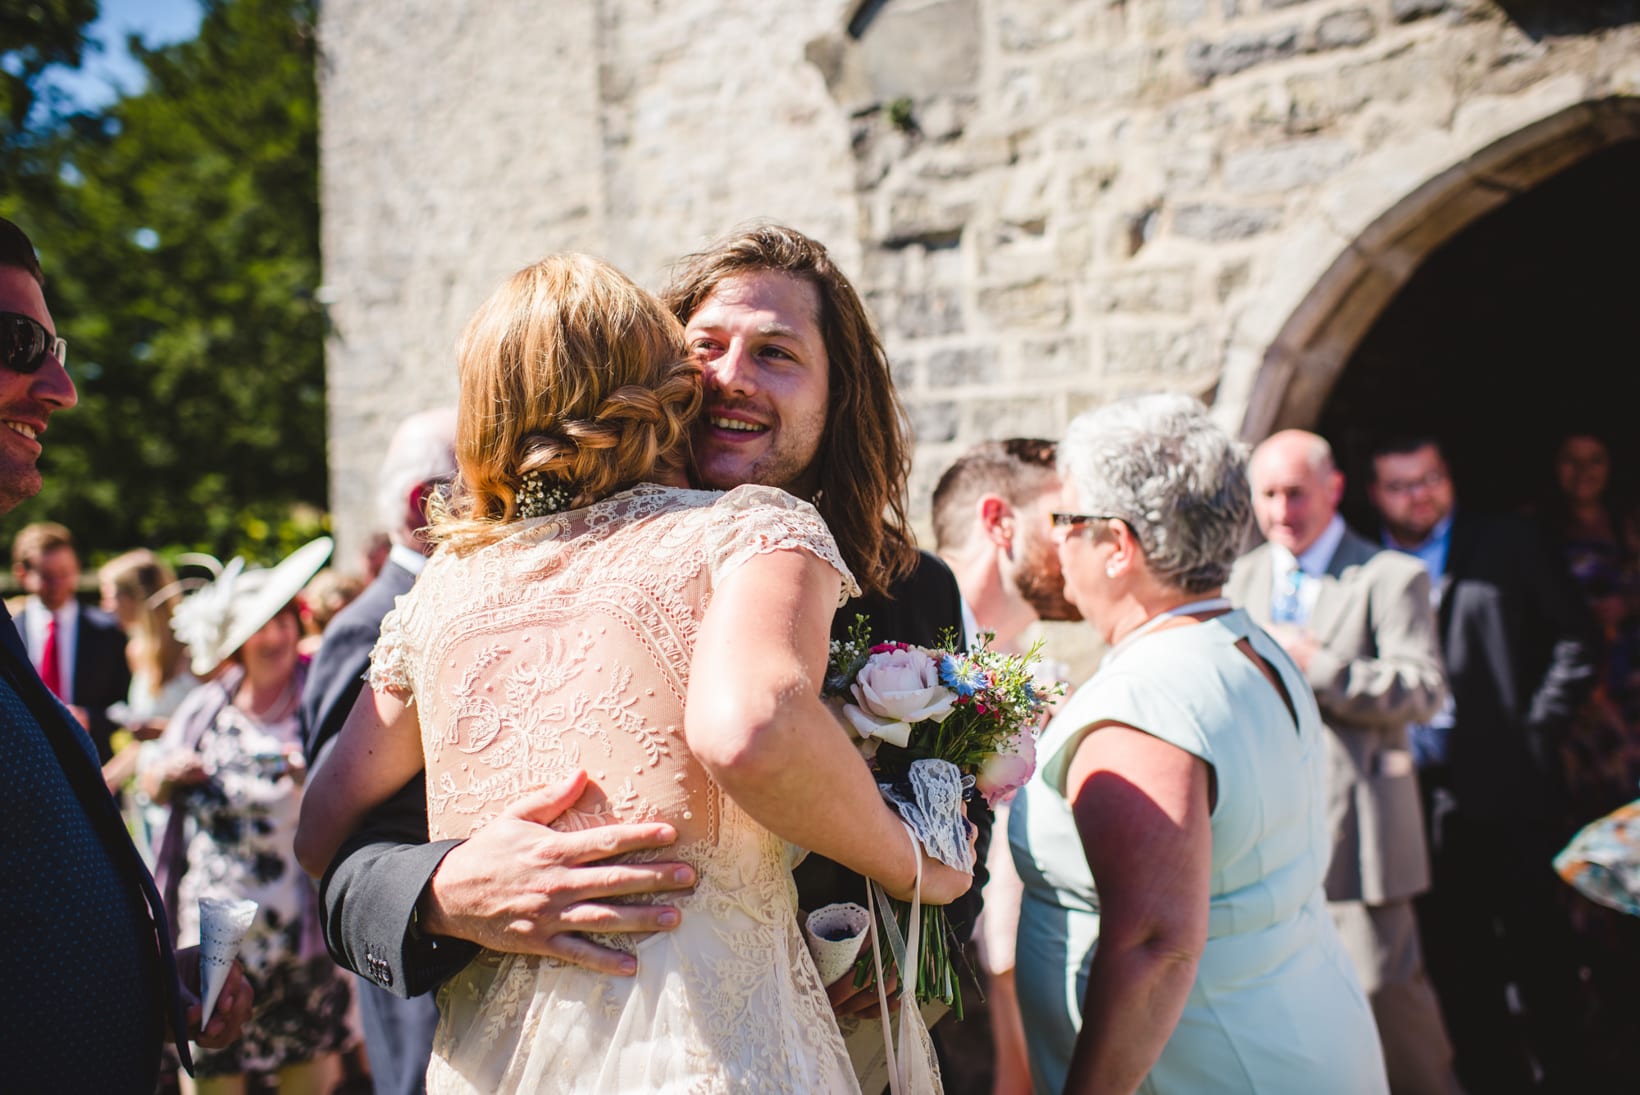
(222, 926)
(835, 935)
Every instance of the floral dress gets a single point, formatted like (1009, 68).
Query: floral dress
(244, 824)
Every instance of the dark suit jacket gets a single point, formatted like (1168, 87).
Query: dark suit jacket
(372, 887)
(84, 774)
(1520, 658)
(399, 1030)
(102, 676)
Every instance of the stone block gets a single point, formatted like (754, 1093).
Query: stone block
(1208, 61)
(1231, 279)
(1343, 29)
(1283, 167)
(1069, 357)
(1162, 16)
(1216, 223)
(1159, 352)
(932, 421)
(1038, 416)
(962, 367)
(917, 314)
(917, 50)
(1164, 290)
(1405, 11)
(1038, 303)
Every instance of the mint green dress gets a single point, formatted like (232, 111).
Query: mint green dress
(1276, 1008)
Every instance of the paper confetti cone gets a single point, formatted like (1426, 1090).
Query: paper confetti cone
(222, 925)
(835, 935)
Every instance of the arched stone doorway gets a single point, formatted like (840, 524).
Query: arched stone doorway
(1291, 359)
(1519, 329)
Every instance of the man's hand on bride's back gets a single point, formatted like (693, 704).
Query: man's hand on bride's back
(519, 886)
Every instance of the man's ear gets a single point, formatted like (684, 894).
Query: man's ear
(415, 513)
(1335, 488)
(996, 518)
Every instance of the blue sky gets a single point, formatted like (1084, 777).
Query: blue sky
(107, 72)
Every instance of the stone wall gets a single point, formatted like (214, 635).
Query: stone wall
(1046, 203)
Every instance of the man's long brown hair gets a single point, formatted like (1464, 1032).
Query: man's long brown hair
(865, 454)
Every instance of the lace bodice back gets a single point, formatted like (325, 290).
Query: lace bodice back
(567, 645)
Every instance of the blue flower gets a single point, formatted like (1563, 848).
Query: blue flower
(962, 676)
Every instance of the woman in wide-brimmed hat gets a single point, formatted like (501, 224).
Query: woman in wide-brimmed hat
(229, 764)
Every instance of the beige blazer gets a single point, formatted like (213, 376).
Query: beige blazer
(1378, 670)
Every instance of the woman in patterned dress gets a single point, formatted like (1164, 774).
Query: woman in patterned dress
(587, 612)
(230, 764)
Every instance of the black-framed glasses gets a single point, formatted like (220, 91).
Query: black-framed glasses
(25, 344)
(1076, 520)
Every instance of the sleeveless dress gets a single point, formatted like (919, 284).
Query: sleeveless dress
(1276, 1008)
(568, 645)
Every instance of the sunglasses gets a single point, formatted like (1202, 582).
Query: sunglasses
(25, 344)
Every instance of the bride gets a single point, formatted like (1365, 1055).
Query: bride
(587, 611)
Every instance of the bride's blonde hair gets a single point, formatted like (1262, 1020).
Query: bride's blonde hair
(571, 372)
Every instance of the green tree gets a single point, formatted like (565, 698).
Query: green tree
(34, 36)
(179, 230)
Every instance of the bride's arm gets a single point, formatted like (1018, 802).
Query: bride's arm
(376, 753)
(756, 721)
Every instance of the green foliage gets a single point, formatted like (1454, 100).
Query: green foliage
(35, 34)
(179, 230)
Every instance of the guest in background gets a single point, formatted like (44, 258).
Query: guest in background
(991, 528)
(1519, 653)
(139, 590)
(79, 651)
(1602, 747)
(328, 593)
(1174, 839)
(231, 761)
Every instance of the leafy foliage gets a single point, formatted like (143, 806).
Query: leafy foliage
(179, 230)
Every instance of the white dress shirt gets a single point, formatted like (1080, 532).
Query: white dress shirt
(1308, 564)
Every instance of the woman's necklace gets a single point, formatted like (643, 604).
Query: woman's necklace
(1211, 604)
(262, 714)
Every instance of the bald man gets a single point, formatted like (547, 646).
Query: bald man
(1360, 623)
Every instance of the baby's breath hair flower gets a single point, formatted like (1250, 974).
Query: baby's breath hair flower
(537, 499)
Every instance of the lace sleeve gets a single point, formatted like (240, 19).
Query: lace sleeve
(390, 659)
(754, 520)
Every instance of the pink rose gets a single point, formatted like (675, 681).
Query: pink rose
(1007, 770)
(894, 689)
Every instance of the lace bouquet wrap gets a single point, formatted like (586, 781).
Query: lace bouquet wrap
(938, 727)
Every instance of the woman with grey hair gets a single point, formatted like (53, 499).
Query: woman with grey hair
(1174, 936)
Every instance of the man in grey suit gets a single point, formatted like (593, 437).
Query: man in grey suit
(1359, 622)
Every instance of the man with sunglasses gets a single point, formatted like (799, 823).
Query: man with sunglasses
(88, 961)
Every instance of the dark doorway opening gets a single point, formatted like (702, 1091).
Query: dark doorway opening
(1520, 329)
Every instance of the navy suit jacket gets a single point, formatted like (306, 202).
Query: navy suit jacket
(371, 888)
(398, 1032)
(1520, 657)
(102, 676)
(80, 765)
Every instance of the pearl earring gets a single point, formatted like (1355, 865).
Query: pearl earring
(1110, 570)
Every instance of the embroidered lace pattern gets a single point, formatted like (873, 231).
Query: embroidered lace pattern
(568, 645)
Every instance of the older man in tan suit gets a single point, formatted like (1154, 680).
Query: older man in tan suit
(1359, 622)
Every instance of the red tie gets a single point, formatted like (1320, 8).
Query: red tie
(50, 673)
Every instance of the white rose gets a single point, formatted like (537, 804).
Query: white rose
(894, 689)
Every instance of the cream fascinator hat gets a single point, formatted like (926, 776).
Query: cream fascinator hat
(217, 619)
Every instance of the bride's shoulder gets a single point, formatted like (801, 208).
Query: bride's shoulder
(752, 497)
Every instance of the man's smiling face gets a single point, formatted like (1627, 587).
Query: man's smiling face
(757, 336)
(27, 400)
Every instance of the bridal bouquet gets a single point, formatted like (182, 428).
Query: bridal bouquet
(937, 726)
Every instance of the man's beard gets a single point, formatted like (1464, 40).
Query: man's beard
(1041, 582)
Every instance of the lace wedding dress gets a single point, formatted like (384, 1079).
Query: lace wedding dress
(567, 645)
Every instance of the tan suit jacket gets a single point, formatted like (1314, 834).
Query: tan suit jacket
(1378, 670)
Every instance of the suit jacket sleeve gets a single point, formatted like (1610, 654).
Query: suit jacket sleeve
(1398, 682)
(369, 899)
(334, 683)
(1558, 609)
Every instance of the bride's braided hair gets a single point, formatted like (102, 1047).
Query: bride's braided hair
(571, 373)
